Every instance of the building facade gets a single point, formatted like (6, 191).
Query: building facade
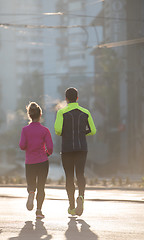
(21, 53)
(121, 21)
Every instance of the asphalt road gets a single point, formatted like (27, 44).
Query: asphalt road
(108, 215)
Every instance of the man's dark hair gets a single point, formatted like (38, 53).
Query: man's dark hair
(71, 94)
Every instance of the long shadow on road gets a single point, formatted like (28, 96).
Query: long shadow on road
(78, 229)
(74, 233)
(32, 231)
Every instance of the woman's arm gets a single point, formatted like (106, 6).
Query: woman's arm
(22, 143)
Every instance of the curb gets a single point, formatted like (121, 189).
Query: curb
(63, 187)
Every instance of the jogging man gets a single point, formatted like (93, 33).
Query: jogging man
(74, 123)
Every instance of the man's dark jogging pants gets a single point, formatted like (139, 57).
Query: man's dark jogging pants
(74, 162)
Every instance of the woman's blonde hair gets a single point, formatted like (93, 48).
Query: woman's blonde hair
(34, 111)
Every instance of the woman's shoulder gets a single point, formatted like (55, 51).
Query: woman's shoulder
(25, 127)
(46, 129)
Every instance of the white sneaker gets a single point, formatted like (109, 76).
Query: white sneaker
(30, 201)
(39, 214)
(80, 206)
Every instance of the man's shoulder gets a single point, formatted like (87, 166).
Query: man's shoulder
(85, 110)
(63, 110)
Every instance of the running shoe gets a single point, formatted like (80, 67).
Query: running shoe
(39, 214)
(80, 206)
(71, 211)
(30, 201)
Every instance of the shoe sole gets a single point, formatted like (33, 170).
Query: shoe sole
(79, 208)
(30, 204)
(40, 217)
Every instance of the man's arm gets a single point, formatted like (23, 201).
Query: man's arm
(91, 125)
(59, 123)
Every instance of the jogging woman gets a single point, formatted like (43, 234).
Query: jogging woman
(37, 143)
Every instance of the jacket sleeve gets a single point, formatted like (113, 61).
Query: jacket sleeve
(49, 143)
(59, 123)
(23, 143)
(92, 128)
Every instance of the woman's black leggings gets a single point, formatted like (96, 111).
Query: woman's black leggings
(74, 162)
(36, 175)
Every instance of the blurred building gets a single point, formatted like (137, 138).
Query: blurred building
(51, 67)
(60, 55)
(135, 84)
(21, 53)
(121, 21)
(74, 59)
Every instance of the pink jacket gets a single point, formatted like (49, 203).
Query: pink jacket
(37, 142)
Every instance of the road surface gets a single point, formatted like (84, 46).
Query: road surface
(108, 215)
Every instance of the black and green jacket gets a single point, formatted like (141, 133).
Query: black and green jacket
(74, 123)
